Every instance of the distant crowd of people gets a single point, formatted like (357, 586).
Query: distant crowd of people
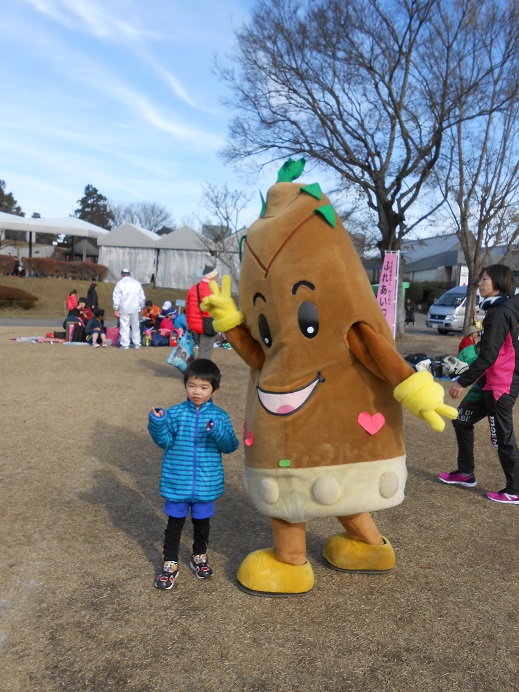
(139, 319)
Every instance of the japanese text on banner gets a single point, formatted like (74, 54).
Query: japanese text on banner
(388, 288)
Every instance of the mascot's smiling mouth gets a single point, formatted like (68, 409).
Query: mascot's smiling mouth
(284, 404)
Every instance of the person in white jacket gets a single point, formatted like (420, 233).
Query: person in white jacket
(128, 301)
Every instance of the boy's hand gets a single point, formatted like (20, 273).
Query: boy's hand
(158, 412)
(221, 306)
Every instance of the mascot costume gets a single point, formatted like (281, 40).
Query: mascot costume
(323, 429)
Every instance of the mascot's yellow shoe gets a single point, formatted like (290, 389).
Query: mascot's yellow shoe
(342, 552)
(261, 574)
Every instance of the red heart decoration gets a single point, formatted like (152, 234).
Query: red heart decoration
(371, 424)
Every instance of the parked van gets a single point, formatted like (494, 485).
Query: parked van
(448, 313)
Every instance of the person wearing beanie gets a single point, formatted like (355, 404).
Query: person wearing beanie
(198, 321)
(470, 339)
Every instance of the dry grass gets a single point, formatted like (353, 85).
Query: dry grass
(82, 530)
(52, 294)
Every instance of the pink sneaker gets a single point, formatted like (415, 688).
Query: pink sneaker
(504, 497)
(457, 478)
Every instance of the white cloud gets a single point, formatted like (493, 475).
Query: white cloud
(89, 17)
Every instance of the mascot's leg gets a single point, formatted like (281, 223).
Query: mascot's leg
(360, 548)
(280, 571)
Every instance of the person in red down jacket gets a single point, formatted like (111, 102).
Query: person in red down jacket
(194, 314)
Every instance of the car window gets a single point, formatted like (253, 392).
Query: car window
(451, 299)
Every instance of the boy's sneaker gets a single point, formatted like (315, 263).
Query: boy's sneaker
(457, 478)
(198, 564)
(504, 497)
(166, 579)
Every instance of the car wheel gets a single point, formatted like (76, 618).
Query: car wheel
(443, 332)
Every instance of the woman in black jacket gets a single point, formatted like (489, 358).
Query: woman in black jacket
(92, 299)
(496, 371)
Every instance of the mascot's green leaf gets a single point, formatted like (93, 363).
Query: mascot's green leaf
(290, 170)
(314, 190)
(328, 214)
(263, 205)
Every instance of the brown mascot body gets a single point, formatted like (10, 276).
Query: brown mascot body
(323, 430)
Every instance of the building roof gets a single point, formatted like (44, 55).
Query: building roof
(420, 248)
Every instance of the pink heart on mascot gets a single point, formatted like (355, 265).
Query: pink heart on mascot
(371, 424)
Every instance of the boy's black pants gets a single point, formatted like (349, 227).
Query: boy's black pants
(500, 419)
(174, 531)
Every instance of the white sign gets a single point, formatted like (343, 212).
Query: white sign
(464, 276)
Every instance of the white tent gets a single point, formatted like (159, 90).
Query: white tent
(67, 225)
(181, 257)
(129, 246)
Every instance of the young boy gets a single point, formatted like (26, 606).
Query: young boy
(194, 435)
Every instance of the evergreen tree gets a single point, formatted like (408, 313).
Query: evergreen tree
(93, 207)
(8, 204)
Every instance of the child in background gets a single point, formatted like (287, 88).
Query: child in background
(193, 434)
(84, 311)
(72, 300)
(95, 329)
(150, 313)
(470, 339)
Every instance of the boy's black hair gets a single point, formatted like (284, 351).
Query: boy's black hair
(82, 300)
(149, 303)
(204, 369)
(99, 312)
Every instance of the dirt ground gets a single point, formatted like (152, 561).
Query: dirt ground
(82, 528)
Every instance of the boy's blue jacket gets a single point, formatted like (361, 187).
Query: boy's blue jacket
(192, 469)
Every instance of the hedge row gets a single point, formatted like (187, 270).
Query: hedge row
(16, 298)
(41, 266)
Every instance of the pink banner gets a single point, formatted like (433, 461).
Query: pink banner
(388, 288)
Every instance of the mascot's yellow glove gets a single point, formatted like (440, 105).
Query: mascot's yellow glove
(421, 395)
(222, 307)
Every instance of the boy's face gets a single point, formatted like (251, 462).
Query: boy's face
(198, 391)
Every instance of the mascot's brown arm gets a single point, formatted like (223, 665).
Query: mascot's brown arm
(246, 347)
(377, 354)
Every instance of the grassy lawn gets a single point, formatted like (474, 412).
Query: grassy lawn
(52, 294)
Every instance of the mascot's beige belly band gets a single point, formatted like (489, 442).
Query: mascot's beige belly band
(297, 495)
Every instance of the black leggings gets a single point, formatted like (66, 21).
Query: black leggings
(473, 409)
(174, 531)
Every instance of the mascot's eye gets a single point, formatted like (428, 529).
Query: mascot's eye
(264, 331)
(308, 319)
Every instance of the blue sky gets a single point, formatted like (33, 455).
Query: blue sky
(118, 94)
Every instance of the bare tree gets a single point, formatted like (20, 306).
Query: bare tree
(479, 173)
(149, 215)
(364, 88)
(8, 205)
(221, 230)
